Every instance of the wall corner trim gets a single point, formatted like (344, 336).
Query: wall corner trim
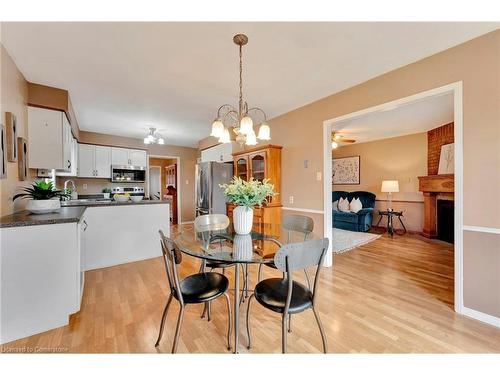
(478, 315)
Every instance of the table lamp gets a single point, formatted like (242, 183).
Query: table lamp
(389, 187)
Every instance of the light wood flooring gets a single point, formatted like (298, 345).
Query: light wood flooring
(389, 296)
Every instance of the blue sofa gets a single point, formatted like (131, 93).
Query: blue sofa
(360, 221)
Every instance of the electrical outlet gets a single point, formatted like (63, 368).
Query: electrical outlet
(318, 176)
(290, 199)
(187, 182)
(84, 186)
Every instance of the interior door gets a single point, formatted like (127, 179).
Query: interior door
(155, 183)
(86, 160)
(103, 161)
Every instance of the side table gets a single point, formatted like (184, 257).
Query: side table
(390, 215)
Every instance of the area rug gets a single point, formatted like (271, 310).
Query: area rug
(345, 240)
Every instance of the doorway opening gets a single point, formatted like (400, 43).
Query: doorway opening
(163, 183)
(454, 91)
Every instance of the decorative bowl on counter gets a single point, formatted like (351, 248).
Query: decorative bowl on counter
(136, 198)
(43, 206)
(121, 197)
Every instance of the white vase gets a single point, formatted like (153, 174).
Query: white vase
(243, 247)
(39, 206)
(243, 219)
(106, 195)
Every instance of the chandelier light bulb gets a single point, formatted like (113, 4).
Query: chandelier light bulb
(225, 138)
(251, 139)
(246, 125)
(217, 128)
(264, 132)
(334, 145)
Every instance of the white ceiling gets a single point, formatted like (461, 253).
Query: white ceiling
(125, 77)
(414, 117)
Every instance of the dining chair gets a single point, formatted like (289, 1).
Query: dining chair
(288, 297)
(293, 223)
(198, 288)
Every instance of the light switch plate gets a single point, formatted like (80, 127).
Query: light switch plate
(318, 176)
(290, 199)
(84, 186)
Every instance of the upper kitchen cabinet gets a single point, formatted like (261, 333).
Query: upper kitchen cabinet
(94, 161)
(125, 156)
(50, 139)
(220, 153)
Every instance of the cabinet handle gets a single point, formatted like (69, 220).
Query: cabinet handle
(96, 173)
(86, 225)
(69, 164)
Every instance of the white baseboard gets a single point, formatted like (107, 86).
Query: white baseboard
(187, 222)
(478, 315)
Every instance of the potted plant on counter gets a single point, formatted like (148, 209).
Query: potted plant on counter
(44, 198)
(106, 192)
(245, 195)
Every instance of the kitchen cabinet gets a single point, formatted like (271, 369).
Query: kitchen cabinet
(126, 156)
(220, 153)
(73, 161)
(49, 139)
(41, 278)
(94, 161)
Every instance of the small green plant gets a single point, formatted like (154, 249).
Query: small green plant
(248, 193)
(106, 190)
(40, 190)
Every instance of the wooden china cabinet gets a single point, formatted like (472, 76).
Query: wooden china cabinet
(261, 163)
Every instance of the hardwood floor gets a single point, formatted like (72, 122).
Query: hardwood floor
(389, 296)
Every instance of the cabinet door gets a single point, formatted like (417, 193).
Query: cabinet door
(241, 167)
(258, 166)
(119, 156)
(67, 141)
(138, 158)
(45, 138)
(86, 160)
(103, 161)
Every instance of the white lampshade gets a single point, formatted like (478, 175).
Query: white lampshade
(217, 128)
(251, 139)
(146, 141)
(390, 186)
(161, 141)
(334, 145)
(246, 125)
(264, 132)
(225, 137)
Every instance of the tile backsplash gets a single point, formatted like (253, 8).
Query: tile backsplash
(93, 185)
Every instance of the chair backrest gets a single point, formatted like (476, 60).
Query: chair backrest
(172, 256)
(211, 222)
(298, 223)
(299, 256)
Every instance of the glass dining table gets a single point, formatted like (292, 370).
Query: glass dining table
(225, 245)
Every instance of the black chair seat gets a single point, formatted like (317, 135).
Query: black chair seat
(203, 287)
(272, 293)
(217, 264)
(270, 265)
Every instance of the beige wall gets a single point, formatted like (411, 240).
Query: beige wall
(475, 63)
(14, 95)
(187, 157)
(399, 158)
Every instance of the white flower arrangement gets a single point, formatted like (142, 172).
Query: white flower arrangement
(248, 193)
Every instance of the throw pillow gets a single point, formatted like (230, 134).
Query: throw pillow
(335, 205)
(343, 205)
(355, 205)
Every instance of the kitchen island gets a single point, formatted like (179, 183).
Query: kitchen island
(43, 258)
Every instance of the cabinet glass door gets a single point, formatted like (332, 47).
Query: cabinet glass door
(242, 168)
(258, 165)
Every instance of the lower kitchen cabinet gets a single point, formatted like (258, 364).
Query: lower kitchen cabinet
(41, 277)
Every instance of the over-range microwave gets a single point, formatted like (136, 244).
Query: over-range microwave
(128, 173)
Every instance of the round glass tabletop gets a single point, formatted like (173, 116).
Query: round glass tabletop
(226, 246)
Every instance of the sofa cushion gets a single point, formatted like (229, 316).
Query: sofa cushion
(355, 205)
(344, 205)
(348, 217)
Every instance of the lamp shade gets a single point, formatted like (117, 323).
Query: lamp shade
(246, 125)
(390, 186)
(217, 128)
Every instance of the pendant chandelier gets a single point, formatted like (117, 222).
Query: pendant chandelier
(240, 120)
(153, 137)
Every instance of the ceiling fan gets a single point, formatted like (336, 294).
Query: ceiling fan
(338, 138)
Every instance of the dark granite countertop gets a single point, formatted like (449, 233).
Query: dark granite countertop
(25, 218)
(71, 213)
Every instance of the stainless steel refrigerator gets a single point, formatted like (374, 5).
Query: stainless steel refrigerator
(209, 196)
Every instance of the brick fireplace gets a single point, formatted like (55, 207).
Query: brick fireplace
(434, 186)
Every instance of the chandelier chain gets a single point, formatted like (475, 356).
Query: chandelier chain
(241, 83)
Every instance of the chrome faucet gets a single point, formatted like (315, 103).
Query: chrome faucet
(66, 186)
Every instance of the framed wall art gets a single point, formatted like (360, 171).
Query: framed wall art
(447, 159)
(3, 156)
(11, 129)
(346, 171)
(22, 163)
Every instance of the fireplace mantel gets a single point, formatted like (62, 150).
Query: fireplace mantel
(432, 186)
